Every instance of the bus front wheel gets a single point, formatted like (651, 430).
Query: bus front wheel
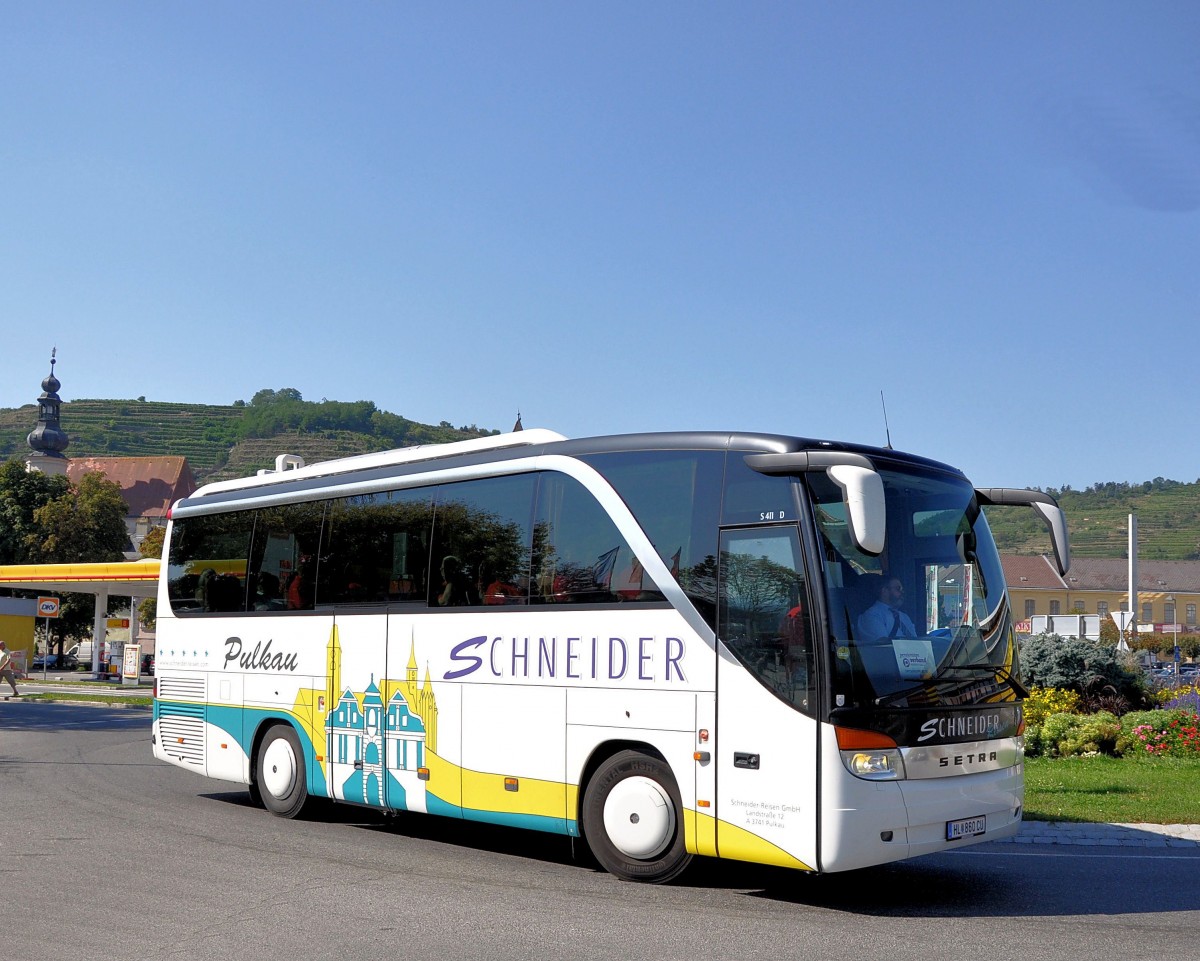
(282, 782)
(632, 818)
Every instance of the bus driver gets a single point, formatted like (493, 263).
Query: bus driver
(884, 620)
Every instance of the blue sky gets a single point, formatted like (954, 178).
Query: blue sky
(622, 217)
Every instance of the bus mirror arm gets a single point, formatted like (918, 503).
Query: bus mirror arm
(861, 485)
(1045, 506)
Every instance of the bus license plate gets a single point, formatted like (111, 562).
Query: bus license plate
(965, 828)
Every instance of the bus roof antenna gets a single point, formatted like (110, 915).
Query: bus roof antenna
(887, 430)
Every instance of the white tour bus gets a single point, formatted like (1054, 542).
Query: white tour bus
(749, 646)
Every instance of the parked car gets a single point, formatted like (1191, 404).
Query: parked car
(70, 660)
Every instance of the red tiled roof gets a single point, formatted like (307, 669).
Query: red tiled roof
(1101, 574)
(150, 485)
(1112, 574)
(1030, 573)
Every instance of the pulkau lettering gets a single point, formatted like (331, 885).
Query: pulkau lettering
(260, 659)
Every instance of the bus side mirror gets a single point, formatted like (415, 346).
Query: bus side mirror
(866, 509)
(1046, 507)
(1055, 520)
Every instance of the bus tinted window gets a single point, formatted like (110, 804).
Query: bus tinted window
(676, 497)
(376, 548)
(207, 563)
(754, 498)
(764, 616)
(579, 556)
(283, 569)
(481, 542)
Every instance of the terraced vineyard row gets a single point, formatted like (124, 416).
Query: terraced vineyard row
(1168, 512)
(203, 434)
(206, 435)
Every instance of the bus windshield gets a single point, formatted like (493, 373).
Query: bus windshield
(925, 622)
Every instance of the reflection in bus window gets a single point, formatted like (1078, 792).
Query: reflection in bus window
(287, 539)
(764, 611)
(481, 542)
(579, 556)
(207, 563)
(376, 548)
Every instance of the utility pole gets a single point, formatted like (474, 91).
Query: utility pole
(1133, 575)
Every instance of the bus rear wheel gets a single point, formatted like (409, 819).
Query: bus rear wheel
(282, 782)
(632, 819)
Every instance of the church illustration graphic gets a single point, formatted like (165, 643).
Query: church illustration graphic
(376, 740)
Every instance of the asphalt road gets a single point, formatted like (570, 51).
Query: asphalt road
(108, 854)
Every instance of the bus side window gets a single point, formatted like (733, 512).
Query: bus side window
(481, 541)
(763, 611)
(579, 556)
(375, 548)
(207, 563)
(287, 540)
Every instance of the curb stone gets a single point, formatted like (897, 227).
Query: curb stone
(1107, 835)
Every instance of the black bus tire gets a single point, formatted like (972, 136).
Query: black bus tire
(282, 781)
(633, 819)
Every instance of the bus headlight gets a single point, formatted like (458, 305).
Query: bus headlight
(870, 754)
(877, 765)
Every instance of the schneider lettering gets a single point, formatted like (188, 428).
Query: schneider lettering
(963, 726)
(646, 659)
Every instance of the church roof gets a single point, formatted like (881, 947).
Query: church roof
(150, 485)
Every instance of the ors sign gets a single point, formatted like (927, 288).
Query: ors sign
(48, 607)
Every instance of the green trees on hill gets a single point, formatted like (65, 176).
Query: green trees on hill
(45, 519)
(273, 412)
(233, 440)
(1168, 514)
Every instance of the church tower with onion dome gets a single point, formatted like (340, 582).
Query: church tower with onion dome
(48, 440)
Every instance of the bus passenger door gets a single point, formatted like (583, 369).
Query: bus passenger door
(766, 740)
(419, 778)
(355, 719)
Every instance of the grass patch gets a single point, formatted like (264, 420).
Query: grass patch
(131, 700)
(1158, 790)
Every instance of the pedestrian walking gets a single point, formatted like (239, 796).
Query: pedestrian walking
(6, 668)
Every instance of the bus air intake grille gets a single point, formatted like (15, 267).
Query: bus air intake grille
(182, 733)
(172, 688)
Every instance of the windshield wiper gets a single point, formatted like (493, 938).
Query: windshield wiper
(999, 669)
(897, 695)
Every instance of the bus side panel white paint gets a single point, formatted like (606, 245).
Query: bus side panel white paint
(515, 731)
(643, 710)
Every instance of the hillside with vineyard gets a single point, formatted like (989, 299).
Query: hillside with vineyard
(228, 441)
(235, 441)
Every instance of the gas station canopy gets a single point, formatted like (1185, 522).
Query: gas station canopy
(124, 578)
(133, 579)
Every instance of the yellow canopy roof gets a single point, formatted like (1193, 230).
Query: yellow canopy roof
(133, 578)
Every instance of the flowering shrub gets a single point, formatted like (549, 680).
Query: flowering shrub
(1185, 697)
(1043, 704)
(1044, 701)
(1063, 735)
(1173, 731)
